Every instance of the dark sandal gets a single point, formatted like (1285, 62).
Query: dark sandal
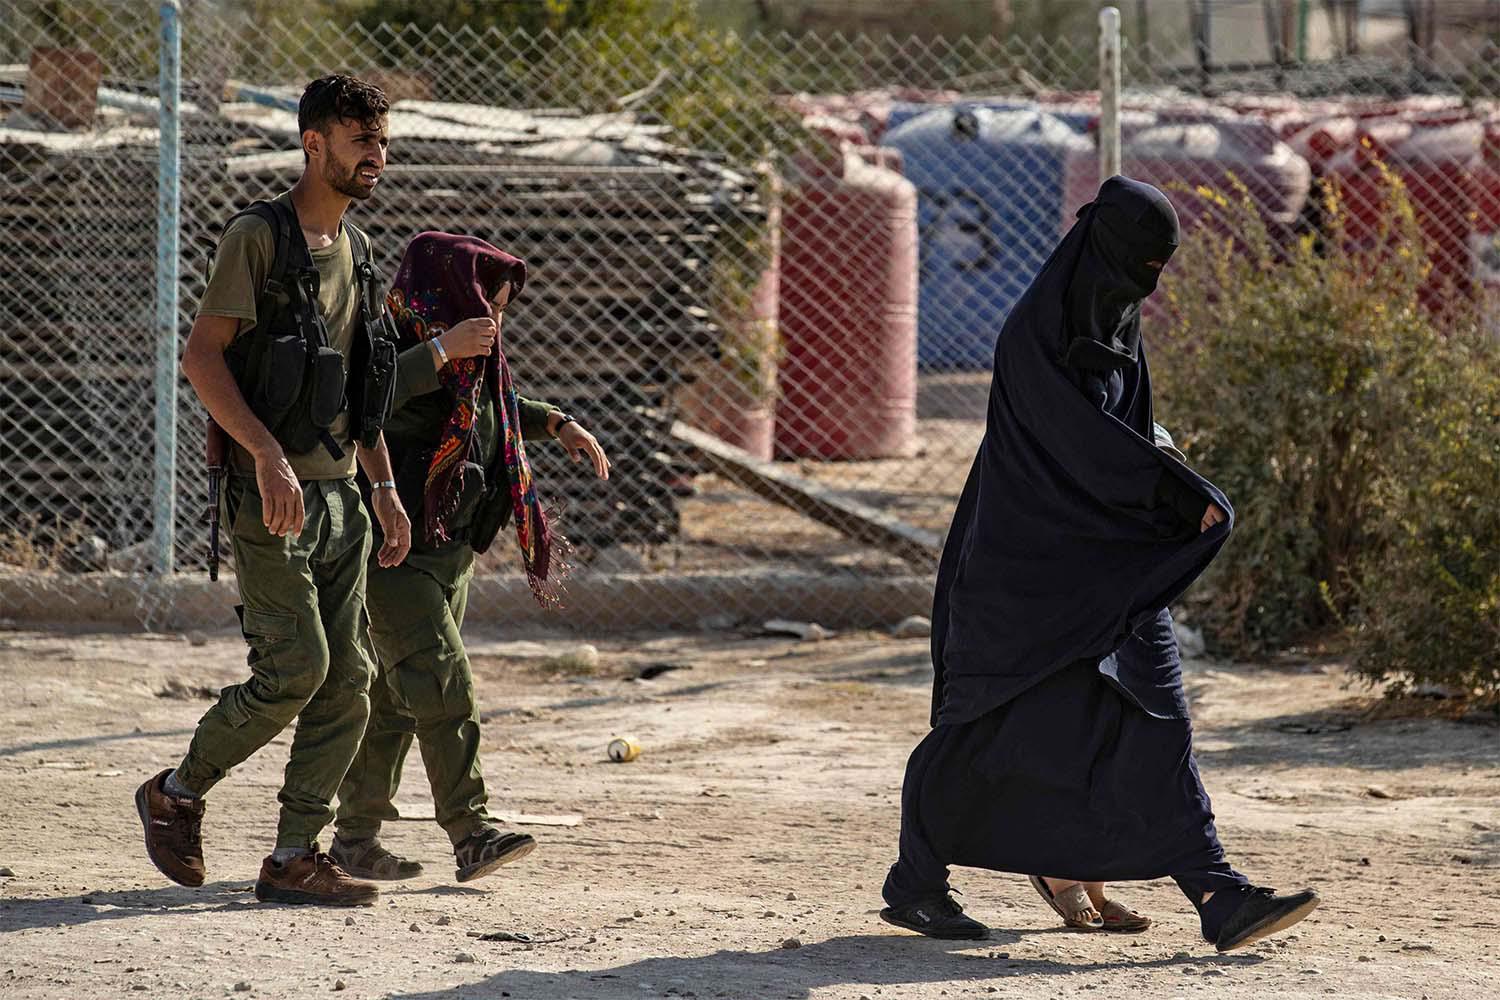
(367, 859)
(485, 850)
(1072, 900)
(1121, 919)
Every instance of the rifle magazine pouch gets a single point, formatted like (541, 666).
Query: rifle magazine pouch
(281, 375)
(379, 390)
(327, 389)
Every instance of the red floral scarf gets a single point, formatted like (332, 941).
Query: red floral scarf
(445, 279)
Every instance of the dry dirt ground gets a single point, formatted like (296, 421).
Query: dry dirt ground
(764, 809)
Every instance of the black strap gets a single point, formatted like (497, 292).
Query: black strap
(358, 242)
(333, 446)
(308, 316)
(364, 276)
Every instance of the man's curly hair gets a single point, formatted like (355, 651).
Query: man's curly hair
(340, 98)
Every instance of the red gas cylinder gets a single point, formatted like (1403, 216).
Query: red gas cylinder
(1172, 153)
(848, 381)
(733, 396)
(1322, 137)
(1322, 140)
(1286, 114)
(1438, 164)
(835, 129)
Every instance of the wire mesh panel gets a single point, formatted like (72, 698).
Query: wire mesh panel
(77, 179)
(767, 271)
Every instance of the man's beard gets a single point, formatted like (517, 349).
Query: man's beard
(345, 180)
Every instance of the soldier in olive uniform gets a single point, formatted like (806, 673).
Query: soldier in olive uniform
(458, 441)
(289, 356)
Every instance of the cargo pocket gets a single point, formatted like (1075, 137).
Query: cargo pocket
(416, 660)
(267, 632)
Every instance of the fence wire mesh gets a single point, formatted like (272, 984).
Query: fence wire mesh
(766, 270)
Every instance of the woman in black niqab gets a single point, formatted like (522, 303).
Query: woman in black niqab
(1061, 744)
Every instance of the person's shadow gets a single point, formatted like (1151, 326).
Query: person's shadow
(92, 907)
(856, 960)
(225, 896)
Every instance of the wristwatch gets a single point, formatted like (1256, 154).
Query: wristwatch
(563, 418)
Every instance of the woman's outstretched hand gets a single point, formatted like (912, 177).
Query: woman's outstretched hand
(581, 444)
(1211, 517)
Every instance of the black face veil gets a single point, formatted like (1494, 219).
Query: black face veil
(1131, 232)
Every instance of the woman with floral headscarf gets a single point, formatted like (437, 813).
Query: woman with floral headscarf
(458, 438)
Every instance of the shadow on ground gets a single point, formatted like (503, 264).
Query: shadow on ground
(92, 907)
(882, 960)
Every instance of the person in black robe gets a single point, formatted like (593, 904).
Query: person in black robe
(1061, 743)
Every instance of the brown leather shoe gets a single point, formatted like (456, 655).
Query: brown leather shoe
(173, 827)
(314, 879)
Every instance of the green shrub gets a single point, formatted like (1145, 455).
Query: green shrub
(1356, 431)
(1428, 589)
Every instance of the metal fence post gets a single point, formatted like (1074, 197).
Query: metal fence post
(168, 203)
(1109, 92)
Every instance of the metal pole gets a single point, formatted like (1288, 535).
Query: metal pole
(1204, 42)
(1272, 13)
(168, 205)
(1109, 92)
(1303, 13)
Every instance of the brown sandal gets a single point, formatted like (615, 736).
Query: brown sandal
(1121, 919)
(367, 859)
(1069, 904)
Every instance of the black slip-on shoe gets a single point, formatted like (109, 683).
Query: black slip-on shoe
(939, 917)
(1264, 913)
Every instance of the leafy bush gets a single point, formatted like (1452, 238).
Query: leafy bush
(1428, 589)
(1357, 432)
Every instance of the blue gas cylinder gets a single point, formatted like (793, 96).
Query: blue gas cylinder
(993, 185)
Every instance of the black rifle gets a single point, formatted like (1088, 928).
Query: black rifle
(216, 460)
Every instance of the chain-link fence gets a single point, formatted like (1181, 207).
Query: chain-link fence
(766, 270)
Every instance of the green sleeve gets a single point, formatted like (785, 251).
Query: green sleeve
(534, 417)
(416, 375)
(241, 263)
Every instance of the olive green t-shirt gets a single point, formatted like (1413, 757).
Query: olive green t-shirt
(240, 267)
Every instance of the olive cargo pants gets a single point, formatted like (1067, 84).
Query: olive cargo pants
(424, 690)
(303, 615)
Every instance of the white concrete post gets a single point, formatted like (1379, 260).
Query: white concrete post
(1109, 93)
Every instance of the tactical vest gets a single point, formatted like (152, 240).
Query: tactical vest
(289, 375)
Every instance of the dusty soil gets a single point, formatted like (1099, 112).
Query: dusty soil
(763, 809)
